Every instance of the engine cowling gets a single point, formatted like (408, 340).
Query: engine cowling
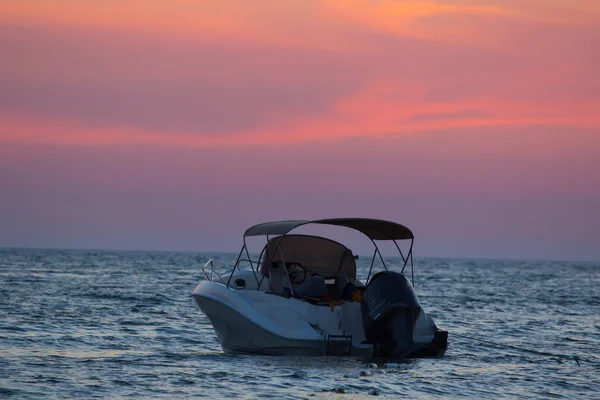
(390, 309)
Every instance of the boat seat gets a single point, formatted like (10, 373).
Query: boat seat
(313, 287)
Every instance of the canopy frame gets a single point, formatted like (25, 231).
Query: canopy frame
(374, 229)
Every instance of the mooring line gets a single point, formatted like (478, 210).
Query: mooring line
(541, 353)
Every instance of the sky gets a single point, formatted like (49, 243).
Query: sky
(175, 125)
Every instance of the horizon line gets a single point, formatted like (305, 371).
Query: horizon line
(2, 248)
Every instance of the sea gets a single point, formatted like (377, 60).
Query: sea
(122, 324)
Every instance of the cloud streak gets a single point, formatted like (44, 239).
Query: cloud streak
(119, 83)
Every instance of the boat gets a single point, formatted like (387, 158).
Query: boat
(302, 297)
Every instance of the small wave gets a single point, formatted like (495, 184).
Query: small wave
(296, 375)
(121, 382)
(149, 300)
(12, 328)
(185, 382)
(219, 374)
(191, 341)
(9, 392)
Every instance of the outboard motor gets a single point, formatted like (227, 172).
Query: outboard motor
(390, 309)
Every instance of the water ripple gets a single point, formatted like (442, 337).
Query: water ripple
(123, 324)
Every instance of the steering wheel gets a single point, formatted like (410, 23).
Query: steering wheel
(296, 272)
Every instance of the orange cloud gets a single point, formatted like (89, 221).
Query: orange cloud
(327, 24)
(504, 25)
(403, 17)
(396, 73)
(292, 23)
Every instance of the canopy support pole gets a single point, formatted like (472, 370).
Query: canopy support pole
(400, 251)
(268, 248)
(372, 262)
(236, 263)
(250, 261)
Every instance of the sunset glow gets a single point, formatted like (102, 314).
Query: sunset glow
(502, 96)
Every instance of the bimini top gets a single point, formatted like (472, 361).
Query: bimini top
(376, 229)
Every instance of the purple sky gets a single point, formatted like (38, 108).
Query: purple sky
(502, 195)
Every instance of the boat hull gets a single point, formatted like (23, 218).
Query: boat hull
(254, 322)
(243, 329)
(239, 334)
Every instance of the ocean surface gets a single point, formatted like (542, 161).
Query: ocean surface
(109, 324)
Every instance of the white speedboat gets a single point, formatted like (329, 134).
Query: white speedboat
(302, 297)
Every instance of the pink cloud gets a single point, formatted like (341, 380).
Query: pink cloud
(169, 91)
(511, 64)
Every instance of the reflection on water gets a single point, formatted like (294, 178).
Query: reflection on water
(114, 324)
